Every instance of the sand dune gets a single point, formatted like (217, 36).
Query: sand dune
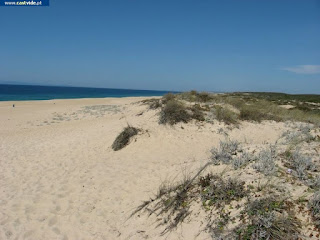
(60, 179)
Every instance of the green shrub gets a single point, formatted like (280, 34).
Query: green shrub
(193, 92)
(197, 112)
(174, 112)
(204, 97)
(188, 96)
(168, 97)
(194, 96)
(251, 113)
(234, 101)
(124, 137)
(225, 115)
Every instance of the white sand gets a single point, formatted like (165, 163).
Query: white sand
(60, 179)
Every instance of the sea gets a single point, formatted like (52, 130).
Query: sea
(32, 92)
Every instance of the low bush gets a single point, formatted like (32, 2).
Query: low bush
(226, 115)
(197, 112)
(269, 218)
(204, 97)
(188, 96)
(174, 112)
(266, 161)
(229, 152)
(299, 163)
(194, 96)
(227, 149)
(168, 97)
(251, 113)
(236, 102)
(124, 137)
(242, 160)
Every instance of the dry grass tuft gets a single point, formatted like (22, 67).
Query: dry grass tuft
(153, 103)
(124, 137)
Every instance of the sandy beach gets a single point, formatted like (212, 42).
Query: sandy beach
(60, 178)
(169, 120)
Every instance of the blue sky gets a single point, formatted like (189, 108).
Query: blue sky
(257, 45)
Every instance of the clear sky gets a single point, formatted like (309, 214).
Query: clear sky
(240, 45)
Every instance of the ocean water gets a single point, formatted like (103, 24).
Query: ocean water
(30, 92)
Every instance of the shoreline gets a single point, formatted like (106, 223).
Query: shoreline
(64, 99)
(74, 99)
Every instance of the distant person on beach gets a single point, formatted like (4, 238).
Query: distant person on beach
(12, 105)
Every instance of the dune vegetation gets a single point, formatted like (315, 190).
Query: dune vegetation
(263, 192)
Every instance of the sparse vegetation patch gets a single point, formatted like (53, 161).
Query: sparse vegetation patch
(299, 163)
(269, 218)
(224, 154)
(194, 96)
(215, 191)
(266, 161)
(238, 209)
(173, 202)
(239, 202)
(153, 103)
(298, 135)
(314, 206)
(230, 152)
